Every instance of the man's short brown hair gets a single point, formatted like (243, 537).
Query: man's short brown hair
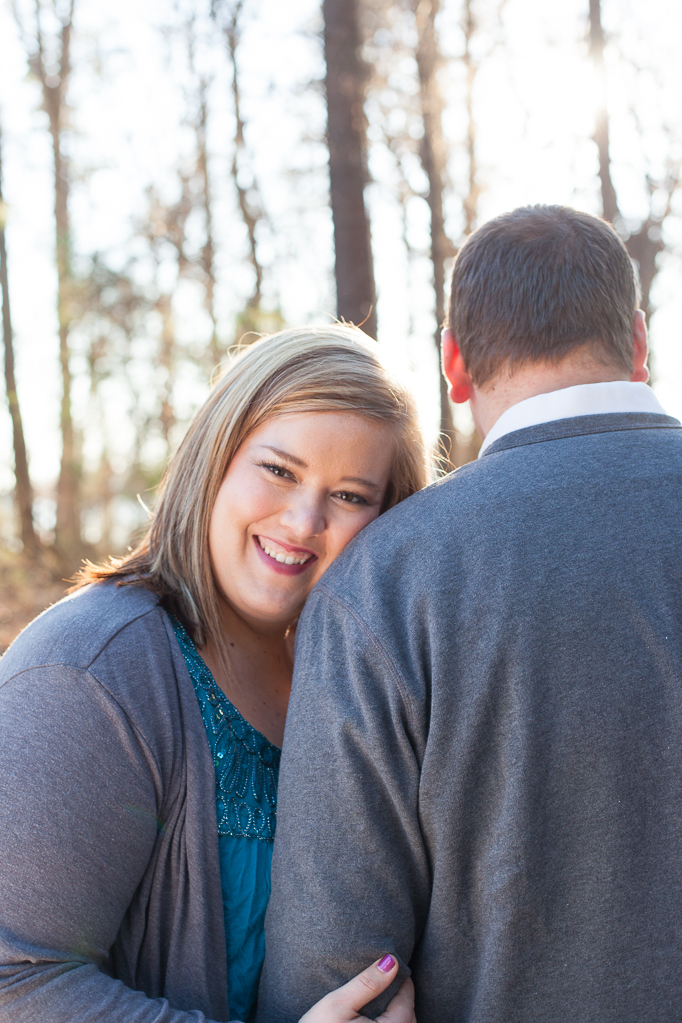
(537, 283)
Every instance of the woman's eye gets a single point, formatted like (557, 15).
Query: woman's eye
(346, 495)
(278, 470)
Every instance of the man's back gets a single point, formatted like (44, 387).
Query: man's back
(488, 692)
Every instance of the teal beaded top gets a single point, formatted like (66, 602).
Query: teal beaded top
(246, 774)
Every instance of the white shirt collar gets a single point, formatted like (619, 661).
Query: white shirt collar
(580, 400)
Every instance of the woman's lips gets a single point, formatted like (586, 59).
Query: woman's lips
(300, 553)
(279, 566)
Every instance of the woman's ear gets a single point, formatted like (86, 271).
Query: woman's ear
(461, 386)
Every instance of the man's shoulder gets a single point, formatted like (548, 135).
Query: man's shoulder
(457, 524)
(79, 627)
(407, 542)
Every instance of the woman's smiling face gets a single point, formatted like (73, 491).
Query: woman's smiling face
(296, 492)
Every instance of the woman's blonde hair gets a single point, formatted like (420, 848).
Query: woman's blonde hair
(315, 369)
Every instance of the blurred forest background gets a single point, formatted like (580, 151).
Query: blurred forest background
(179, 177)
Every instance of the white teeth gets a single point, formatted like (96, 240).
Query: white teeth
(284, 559)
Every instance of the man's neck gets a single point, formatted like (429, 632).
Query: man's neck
(504, 390)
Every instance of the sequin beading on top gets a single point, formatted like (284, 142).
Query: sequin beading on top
(246, 763)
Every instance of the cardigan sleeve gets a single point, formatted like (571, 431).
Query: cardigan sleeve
(350, 877)
(78, 823)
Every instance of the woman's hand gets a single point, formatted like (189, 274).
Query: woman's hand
(344, 1004)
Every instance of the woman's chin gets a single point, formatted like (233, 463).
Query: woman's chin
(273, 614)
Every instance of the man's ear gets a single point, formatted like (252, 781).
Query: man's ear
(461, 386)
(640, 370)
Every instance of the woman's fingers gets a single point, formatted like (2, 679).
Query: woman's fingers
(401, 1008)
(344, 1004)
(369, 984)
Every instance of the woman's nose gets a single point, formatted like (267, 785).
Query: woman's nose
(304, 515)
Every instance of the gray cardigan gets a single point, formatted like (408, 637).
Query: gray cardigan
(110, 899)
(482, 764)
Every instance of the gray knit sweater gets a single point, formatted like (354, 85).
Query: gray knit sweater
(110, 899)
(482, 765)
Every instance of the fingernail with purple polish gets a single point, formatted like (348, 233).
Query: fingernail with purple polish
(386, 964)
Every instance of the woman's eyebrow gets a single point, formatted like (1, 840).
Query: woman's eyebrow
(363, 483)
(285, 454)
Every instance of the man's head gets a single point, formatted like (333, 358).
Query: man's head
(543, 287)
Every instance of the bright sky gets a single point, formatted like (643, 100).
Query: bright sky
(534, 105)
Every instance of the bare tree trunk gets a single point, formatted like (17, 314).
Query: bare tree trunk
(467, 445)
(68, 529)
(646, 242)
(644, 245)
(68, 512)
(167, 224)
(348, 175)
(23, 493)
(208, 248)
(601, 127)
(473, 189)
(249, 215)
(248, 198)
(54, 89)
(198, 119)
(433, 159)
(167, 362)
